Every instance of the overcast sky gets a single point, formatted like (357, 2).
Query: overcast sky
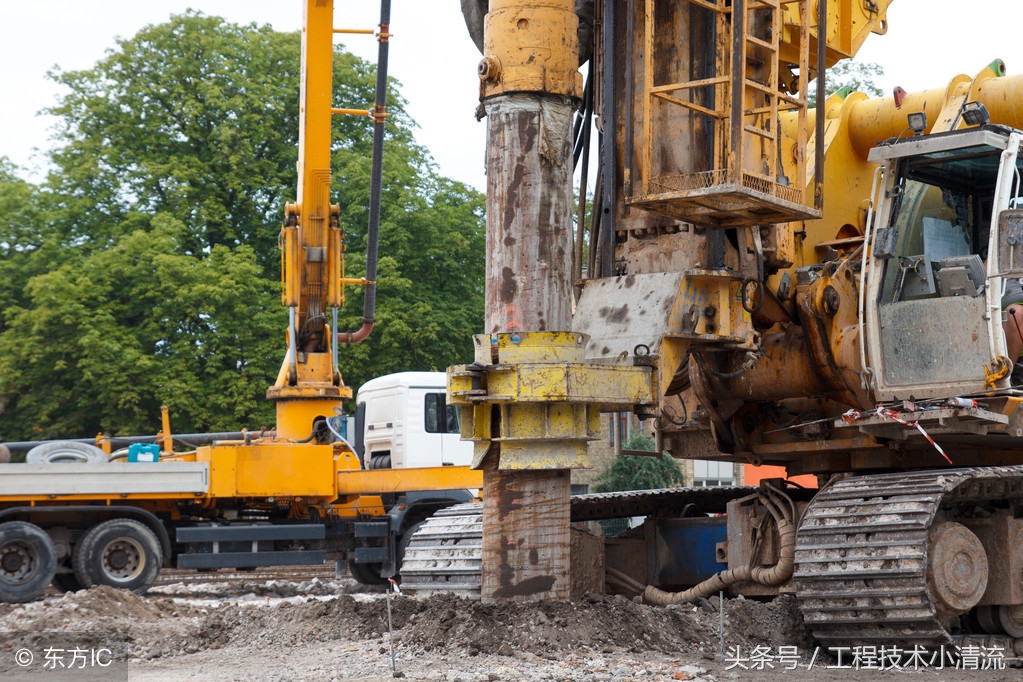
(928, 42)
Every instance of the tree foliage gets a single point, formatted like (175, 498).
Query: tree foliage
(145, 270)
(106, 341)
(27, 246)
(638, 472)
(852, 76)
(196, 118)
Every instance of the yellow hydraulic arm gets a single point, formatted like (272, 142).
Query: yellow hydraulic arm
(309, 385)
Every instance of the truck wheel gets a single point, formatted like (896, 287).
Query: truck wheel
(28, 561)
(121, 553)
(366, 574)
(67, 582)
(380, 461)
(404, 542)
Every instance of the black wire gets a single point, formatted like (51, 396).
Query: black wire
(583, 121)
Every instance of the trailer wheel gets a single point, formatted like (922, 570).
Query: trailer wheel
(366, 574)
(28, 561)
(121, 553)
(406, 539)
(67, 582)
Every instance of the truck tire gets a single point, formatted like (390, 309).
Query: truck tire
(65, 451)
(403, 543)
(380, 461)
(120, 553)
(366, 574)
(66, 582)
(28, 561)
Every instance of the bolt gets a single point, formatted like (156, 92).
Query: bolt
(488, 69)
(831, 300)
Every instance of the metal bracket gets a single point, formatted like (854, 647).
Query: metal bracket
(545, 397)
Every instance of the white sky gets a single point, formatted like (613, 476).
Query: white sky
(928, 42)
(431, 54)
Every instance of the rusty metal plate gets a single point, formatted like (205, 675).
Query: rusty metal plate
(621, 313)
(934, 347)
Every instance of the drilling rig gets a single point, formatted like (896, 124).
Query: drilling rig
(825, 289)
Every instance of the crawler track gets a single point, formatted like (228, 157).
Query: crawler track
(862, 553)
(445, 555)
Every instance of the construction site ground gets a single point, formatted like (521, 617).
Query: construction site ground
(307, 625)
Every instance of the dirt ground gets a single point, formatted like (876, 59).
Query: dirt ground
(326, 630)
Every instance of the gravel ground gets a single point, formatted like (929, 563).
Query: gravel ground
(327, 630)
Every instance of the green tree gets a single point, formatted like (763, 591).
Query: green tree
(145, 270)
(430, 291)
(196, 118)
(27, 244)
(639, 472)
(108, 340)
(852, 76)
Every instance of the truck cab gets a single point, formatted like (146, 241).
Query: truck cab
(402, 421)
(947, 236)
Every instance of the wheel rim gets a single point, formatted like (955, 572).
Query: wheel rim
(957, 570)
(123, 559)
(18, 563)
(1011, 618)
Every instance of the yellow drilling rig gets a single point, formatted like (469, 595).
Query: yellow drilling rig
(832, 290)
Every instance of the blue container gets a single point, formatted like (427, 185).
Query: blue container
(340, 425)
(143, 452)
(685, 550)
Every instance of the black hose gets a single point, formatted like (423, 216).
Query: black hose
(379, 109)
(583, 122)
(379, 116)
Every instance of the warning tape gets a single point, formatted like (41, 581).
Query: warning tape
(851, 416)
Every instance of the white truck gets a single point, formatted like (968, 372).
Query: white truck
(402, 421)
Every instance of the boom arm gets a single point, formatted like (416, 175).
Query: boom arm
(309, 386)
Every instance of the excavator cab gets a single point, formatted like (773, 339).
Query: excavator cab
(932, 317)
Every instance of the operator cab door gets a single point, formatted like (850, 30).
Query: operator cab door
(932, 317)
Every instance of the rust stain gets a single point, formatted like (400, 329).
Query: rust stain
(546, 230)
(527, 131)
(509, 501)
(528, 587)
(619, 315)
(512, 196)
(509, 287)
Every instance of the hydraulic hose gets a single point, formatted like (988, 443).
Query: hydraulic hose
(373, 230)
(764, 575)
